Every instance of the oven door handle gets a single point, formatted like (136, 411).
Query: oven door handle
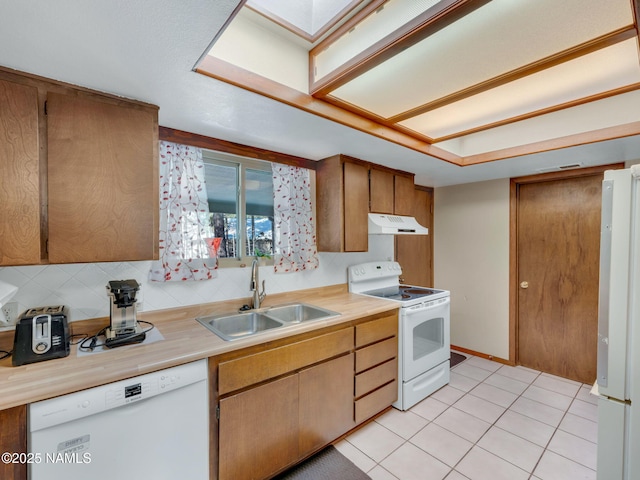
(425, 306)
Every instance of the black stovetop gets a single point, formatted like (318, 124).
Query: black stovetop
(403, 293)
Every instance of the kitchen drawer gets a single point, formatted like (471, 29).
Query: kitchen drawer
(258, 367)
(376, 401)
(376, 330)
(375, 354)
(376, 377)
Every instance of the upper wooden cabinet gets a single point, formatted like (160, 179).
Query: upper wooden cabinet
(79, 176)
(390, 191)
(381, 191)
(403, 195)
(347, 190)
(20, 242)
(102, 180)
(342, 204)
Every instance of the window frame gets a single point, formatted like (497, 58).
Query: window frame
(242, 164)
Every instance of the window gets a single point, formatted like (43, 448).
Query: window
(240, 196)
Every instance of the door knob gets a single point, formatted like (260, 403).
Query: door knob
(524, 284)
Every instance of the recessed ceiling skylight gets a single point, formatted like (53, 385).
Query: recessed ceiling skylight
(308, 16)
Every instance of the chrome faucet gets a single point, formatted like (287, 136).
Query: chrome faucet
(255, 285)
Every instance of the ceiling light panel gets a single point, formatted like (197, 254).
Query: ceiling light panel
(591, 117)
(372, 29)
(497, 38)
(601, 71)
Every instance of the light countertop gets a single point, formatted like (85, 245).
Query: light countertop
(185, 340)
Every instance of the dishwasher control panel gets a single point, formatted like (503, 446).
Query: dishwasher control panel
(81, 404)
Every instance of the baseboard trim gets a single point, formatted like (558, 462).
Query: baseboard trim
(482, 355)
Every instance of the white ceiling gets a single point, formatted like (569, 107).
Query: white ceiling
(146, 49)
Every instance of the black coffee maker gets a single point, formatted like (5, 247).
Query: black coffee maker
(124, 328)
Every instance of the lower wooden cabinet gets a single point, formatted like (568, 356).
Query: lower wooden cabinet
(281, 404)
(376, 366)
(326, 403)
(258, 430)
(261, 366)
(13, 439)
(376, 401)
(269, 427)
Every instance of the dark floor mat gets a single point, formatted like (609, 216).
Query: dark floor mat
(328, 464)
(456, 358)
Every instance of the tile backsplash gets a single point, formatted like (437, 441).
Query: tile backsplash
(82, 287)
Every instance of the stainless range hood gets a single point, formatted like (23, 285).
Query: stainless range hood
(395, 225)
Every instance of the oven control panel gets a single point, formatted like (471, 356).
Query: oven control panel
(372, 270)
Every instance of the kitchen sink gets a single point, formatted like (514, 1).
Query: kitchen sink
(232, 327)
(239, 325)
(300, 312)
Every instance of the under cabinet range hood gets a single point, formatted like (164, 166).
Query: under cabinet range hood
(395, 225)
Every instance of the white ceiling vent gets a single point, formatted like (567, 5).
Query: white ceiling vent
(559, 168)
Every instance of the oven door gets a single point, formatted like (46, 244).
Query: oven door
(425, 337)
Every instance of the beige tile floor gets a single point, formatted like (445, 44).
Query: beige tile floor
(491, 422)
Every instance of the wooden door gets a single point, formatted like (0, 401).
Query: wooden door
(558, 242)
(326, 403)
(259, 430)
(414, 252)
(20, 177)
(103, 181)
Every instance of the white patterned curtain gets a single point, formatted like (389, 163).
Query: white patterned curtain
(295, 237)
(186, 248)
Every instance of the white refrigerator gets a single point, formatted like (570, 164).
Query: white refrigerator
(618, 382)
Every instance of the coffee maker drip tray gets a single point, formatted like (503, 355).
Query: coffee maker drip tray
(127, 336)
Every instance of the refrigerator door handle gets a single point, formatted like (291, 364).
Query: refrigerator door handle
(605, 277)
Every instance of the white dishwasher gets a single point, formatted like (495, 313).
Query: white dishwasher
(152, 426)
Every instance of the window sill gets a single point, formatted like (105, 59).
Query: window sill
(244, 262)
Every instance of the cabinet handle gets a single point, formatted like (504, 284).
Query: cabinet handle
(524, 284)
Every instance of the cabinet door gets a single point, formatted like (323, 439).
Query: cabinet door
(326, 403)
(404, 189)
(102, 180)
(13, 439)
(381, 191)
(259, 367)
(414, 252)
(20, 177)
(356, 207)
(259, 430)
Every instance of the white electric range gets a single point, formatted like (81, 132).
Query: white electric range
(423, 330)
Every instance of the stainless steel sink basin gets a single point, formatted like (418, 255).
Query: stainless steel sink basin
(299, 312)
(232, 327)
(239, 325)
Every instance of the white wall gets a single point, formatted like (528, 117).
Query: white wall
(471, 259)
(82, 287)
